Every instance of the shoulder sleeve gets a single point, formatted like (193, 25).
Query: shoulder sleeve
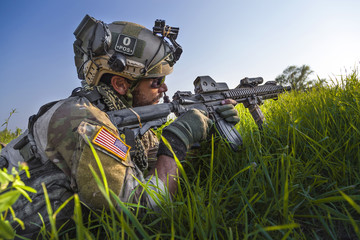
(69, 131)
(61, 136)
(114, 163)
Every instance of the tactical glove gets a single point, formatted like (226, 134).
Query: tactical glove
(191, 127)
(229, 113)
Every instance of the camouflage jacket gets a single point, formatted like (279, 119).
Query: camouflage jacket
(63, 135)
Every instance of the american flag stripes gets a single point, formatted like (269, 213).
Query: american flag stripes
(107, 140)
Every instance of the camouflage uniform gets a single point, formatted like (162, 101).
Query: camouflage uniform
(56, 145)
(61, 135)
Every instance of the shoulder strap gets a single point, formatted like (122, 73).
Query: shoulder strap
(93, 96)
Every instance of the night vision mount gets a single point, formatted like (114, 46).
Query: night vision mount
(171, 33)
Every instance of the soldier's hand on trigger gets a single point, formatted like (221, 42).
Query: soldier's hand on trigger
(228, 112)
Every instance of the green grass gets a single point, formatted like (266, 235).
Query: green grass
(296, 179)
(7, 135)
(11, 188)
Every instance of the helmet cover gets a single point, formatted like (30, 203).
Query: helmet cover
(122, 48)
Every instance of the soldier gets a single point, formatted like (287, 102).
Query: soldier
(122, 65)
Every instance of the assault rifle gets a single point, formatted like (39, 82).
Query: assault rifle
(207, 97)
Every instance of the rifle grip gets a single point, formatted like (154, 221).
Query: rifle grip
(229, 132)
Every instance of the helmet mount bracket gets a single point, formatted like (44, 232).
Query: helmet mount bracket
(171, 33)
(117, 62)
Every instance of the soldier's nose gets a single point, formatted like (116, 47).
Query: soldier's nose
(163, 88)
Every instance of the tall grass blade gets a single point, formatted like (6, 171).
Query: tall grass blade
(52, 219)
(351, 201)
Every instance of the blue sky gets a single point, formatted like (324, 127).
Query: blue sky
(228, 40)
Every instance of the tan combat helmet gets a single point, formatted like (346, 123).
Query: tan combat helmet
(125, 49)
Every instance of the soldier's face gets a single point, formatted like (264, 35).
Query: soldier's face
(148, 92)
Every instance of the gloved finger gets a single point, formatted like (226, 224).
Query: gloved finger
(228, 113)
(233, 119)
(228, 101)
(231, 116)
(224, 108)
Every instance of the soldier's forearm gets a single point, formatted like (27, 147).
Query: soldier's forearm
(167, 171)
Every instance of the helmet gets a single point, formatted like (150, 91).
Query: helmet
(125, 49)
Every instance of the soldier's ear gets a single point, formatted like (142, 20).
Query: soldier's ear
(120, 84)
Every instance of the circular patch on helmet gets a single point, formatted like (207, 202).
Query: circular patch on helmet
(125, 44)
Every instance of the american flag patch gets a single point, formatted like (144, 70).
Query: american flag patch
(107, 140)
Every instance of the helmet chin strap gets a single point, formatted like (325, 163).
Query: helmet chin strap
(129, 98)
(134, 84)
(129, 94)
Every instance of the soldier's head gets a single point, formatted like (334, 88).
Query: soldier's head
(148, 91)
(125, 51)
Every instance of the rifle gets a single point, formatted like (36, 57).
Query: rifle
(207, 97)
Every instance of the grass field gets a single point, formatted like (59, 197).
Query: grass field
(296, 179)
